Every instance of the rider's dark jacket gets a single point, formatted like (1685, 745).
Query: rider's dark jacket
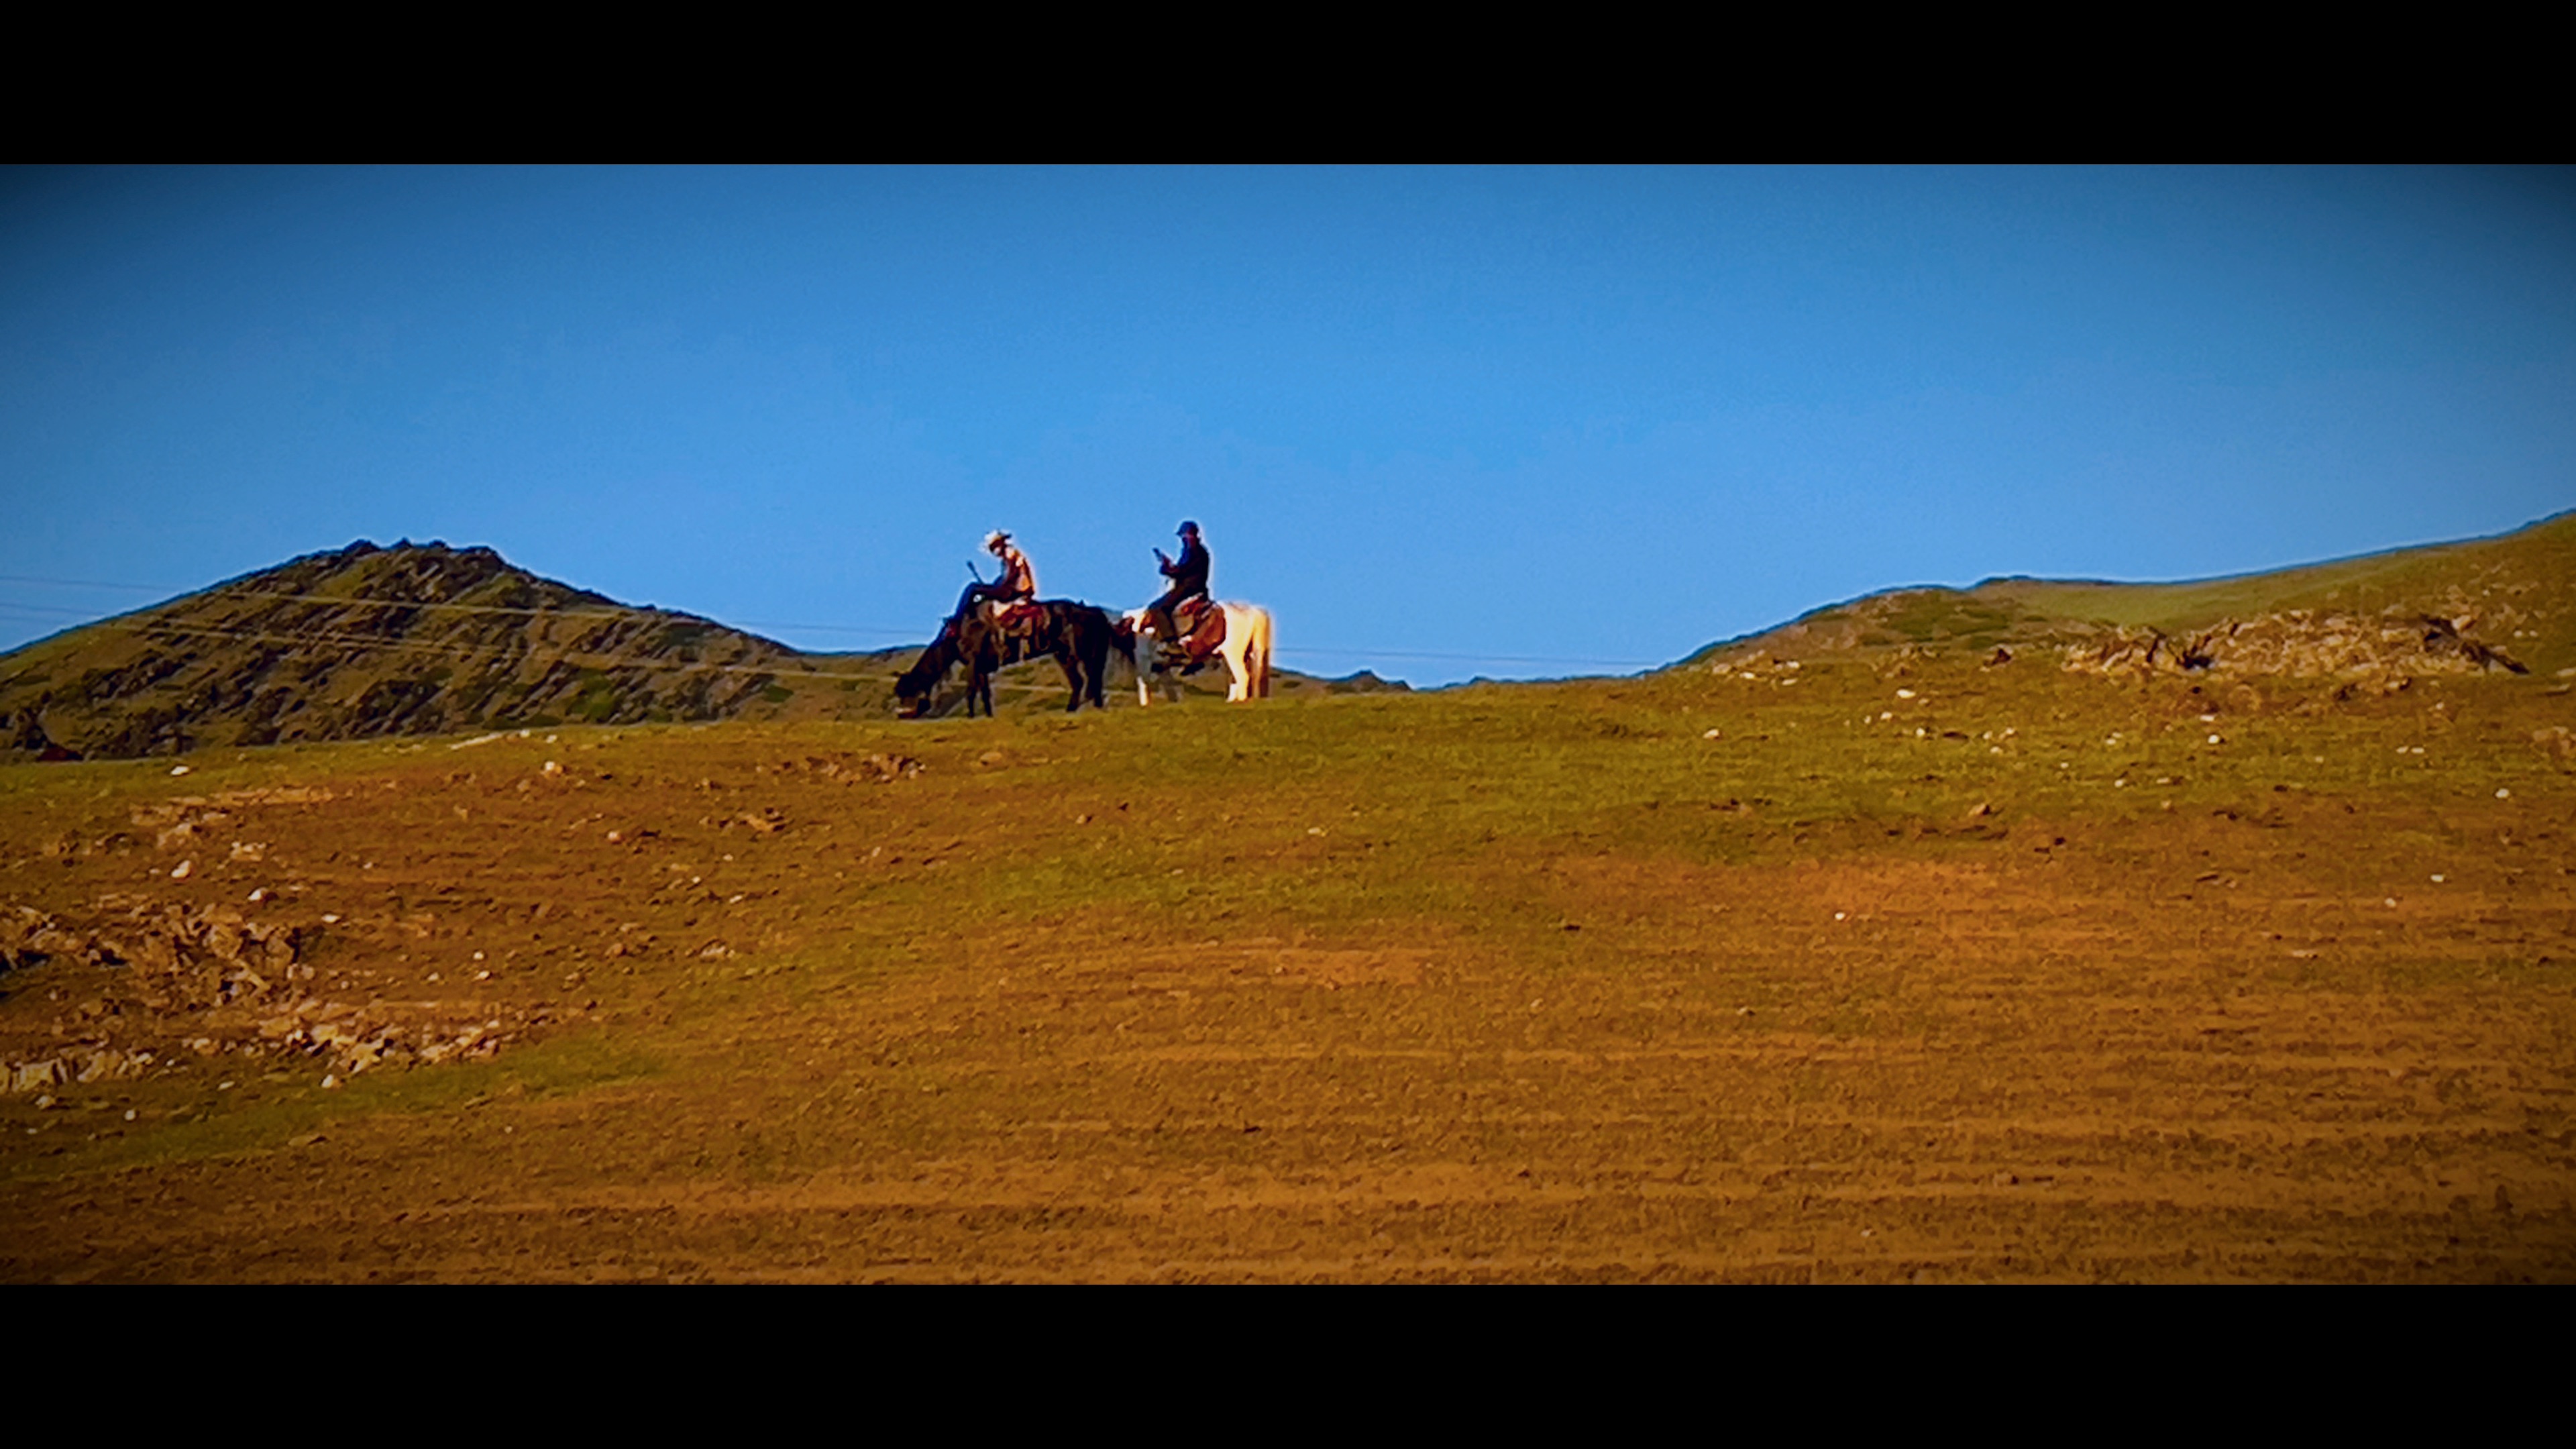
(1189, 572)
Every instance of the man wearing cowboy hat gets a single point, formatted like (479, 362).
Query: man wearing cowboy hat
(1018, 582)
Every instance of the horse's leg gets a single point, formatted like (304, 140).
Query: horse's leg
(1261, 637)
(1072, 668)
(1094, 658)
(1237, 665)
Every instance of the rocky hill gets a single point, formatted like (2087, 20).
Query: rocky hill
(423, 639)
(2505, 604)
(409, 640)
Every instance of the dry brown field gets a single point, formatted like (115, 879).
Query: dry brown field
(1882, 968)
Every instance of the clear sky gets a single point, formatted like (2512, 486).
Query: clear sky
(1443, 423)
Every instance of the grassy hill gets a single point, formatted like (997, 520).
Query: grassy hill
(419, 640)
(2515, 594)
(1875, 962)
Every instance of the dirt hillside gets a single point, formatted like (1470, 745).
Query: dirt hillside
(1816, 960)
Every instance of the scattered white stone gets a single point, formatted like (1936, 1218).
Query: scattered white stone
(178, 769)
(2392, 900)
(553, 769)
(2213, 739)
(482, 975)
(330, 1082)
(259, 895)
(180, 871)
(331, 918)
(478, 955)
(1838, 915)
(2503, 794)
(129, 1114)
(223, 1086)
(2437, 880)
(1314, 830)
(1712, 734)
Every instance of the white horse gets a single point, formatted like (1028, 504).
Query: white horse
(1246, 652)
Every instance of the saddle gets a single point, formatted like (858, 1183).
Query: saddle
(1199, 629)
(1014, 618)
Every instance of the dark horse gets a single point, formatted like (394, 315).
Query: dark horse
(1079, 636)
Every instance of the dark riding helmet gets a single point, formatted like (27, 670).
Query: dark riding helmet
(1189, 529)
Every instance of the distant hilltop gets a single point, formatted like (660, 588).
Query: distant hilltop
(418, 639)
(2504, 604)
(423, 639)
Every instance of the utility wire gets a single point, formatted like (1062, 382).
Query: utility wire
(622, 612)
(460, 651)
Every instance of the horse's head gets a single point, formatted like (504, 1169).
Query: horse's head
(912, 687)
(911, 695)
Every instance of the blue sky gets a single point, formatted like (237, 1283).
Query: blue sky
(1449, 422)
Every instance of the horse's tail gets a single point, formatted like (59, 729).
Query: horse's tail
(1121, 638)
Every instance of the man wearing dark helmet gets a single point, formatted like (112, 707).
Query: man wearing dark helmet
(1189, 576)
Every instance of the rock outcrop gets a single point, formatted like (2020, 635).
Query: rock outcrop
(2297, 644)
(143, 986)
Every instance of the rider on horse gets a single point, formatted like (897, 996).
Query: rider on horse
(1018, 583)
(1189, 576)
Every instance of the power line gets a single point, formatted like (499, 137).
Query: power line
(618, 611)
(625, 613)
(88, 584)
(458, 651)
(1472, 658)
